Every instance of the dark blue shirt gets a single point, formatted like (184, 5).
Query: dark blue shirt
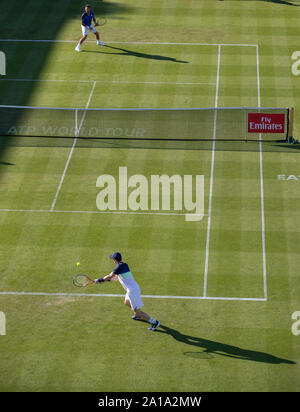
(121, 268)
(87, 19)
(125, 278)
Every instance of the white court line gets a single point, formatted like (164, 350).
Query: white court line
(110, 82)
(96, 212)
(63, 176)
(261, 185)
(87, 106)
(92, 295)
(212, 174)
(71, 152)
(128, 42)
(46, 80)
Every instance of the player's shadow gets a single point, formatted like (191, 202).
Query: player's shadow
(126, 52)
(6, 163)
(222, 349)
(283, 2)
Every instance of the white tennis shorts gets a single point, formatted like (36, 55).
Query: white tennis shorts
(86, 29)
(134, 298)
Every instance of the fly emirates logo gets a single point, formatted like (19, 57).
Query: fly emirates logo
(266, 123)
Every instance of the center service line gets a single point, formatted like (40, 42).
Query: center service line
(72, 149)
(212, 174)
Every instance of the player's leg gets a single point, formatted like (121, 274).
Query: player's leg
(93, 30)
(127, 303)
(83, 38)
(134, 301)
(142, 315)
(99, 42)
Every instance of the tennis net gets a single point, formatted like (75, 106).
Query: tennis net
(235, 123)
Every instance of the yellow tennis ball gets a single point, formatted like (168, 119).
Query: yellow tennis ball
(78, 263)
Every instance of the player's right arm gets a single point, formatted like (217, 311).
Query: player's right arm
(83, 20)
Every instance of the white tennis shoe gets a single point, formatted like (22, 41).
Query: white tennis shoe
(155, 325)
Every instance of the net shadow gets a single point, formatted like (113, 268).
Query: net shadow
(155, 144)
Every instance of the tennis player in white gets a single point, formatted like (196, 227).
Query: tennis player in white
(86, 25)
(133, 292)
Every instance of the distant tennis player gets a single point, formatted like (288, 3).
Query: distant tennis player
(86, 25)
(133, 293)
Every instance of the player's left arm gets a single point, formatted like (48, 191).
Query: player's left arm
(94, 20)
(106, 278)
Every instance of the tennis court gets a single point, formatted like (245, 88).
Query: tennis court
(75, 190)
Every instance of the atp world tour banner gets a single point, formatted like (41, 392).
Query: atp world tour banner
(266, 123)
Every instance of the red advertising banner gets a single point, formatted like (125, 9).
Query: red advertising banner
(266, 123)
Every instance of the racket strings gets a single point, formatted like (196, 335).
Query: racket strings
(81, 280)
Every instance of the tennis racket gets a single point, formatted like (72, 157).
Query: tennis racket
(82, 280)
(101, 21)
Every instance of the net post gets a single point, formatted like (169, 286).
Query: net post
(291, 124)
(245, 124)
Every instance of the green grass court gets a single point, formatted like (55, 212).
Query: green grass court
(225, 287)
